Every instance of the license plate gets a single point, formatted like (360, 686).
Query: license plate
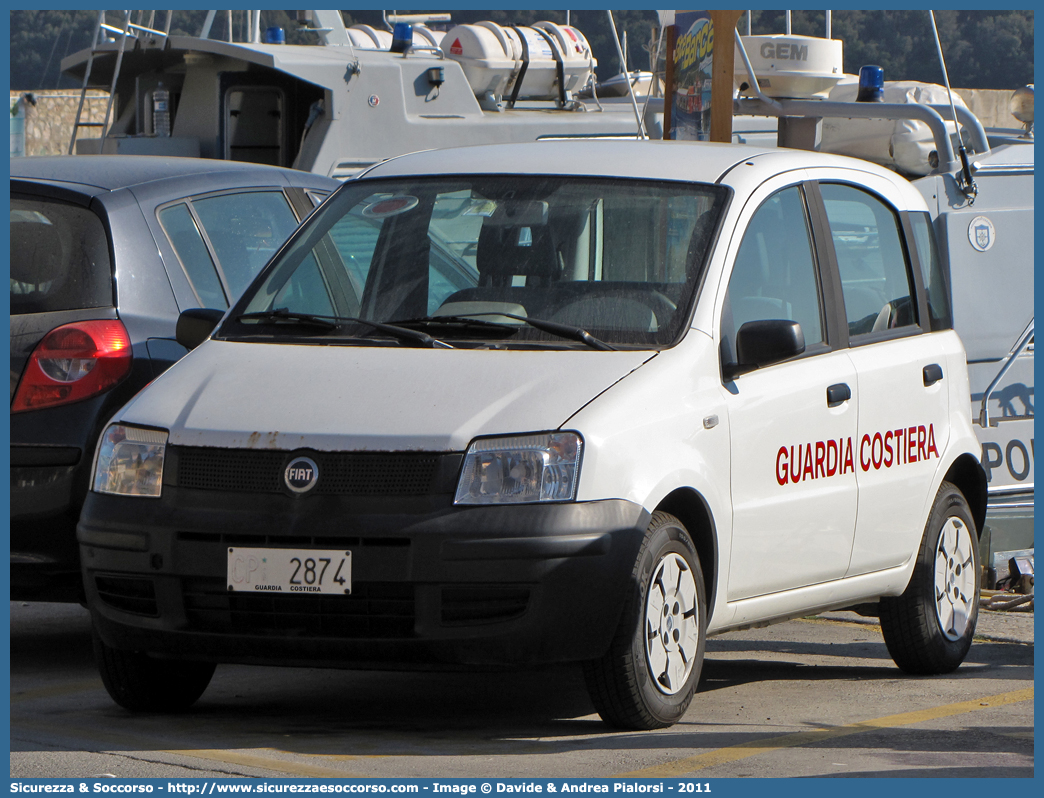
(284, 571)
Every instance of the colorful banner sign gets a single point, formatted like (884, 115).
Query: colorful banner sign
(693, 62)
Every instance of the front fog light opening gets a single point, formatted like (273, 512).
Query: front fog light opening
(130, 461)
(524, 469)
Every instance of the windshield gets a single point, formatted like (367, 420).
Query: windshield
(491, 259)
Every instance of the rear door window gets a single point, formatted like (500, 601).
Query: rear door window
(871, 259)
(246, 230)
(194, 255)
(59, 258)
(224, 240)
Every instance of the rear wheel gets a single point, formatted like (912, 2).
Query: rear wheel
(142, 683)
(929, 628)
(648, 677)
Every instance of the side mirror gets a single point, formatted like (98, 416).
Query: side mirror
(195, 325)
(764, 342)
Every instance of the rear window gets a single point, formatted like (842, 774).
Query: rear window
(59, 258)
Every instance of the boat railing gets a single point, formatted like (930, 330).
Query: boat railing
(427, 48)
(133, 29)
(984, 409)
(934, 116)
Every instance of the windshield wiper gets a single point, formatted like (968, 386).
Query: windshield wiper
(553, 327)
(329, 323)
(284, 315)
(458, 320)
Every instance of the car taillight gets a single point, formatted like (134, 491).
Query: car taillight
(74, 362)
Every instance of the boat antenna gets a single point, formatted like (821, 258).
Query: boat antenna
(619, 51)
(969, 189)
(654, 87)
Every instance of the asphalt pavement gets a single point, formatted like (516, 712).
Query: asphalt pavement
(814, 697)
(1015, 626)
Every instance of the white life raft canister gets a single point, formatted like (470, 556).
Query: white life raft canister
(546, 61)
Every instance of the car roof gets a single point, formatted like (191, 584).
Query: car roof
(706, 162)
(113, 172)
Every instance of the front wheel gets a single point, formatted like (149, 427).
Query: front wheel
(142, 683)
(648, 677)
(929, 628)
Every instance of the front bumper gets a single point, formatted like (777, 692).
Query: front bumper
(433, 585)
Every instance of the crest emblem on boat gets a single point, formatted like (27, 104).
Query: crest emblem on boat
(981, 233)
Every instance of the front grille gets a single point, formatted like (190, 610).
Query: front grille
(478, 604)
(313, 542)
(133, 595)
(373, 610)
(340, 473)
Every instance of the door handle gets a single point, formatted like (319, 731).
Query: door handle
(838, 394)
(932, 374)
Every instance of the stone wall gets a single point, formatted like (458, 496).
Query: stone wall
(49, 124)
(991, 106)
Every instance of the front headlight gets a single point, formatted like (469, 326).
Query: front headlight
(130, 461)
(527, 468)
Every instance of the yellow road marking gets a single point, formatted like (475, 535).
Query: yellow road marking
(284, 766)
(755, 747)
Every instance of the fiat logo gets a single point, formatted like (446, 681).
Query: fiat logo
(301, 474)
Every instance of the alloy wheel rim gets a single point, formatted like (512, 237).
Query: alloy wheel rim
(671, 624)
(954, 579)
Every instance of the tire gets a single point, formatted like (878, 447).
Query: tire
(929, 628)
(142, 683)
(649, 675)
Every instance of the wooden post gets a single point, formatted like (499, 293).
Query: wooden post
(668, 82)
(724, 23)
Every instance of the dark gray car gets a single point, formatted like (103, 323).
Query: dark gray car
(105, 254)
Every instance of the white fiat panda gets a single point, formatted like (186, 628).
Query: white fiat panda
(562, 401)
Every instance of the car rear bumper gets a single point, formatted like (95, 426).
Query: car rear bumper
(52, 450)
(433, 585)
(44, 508)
